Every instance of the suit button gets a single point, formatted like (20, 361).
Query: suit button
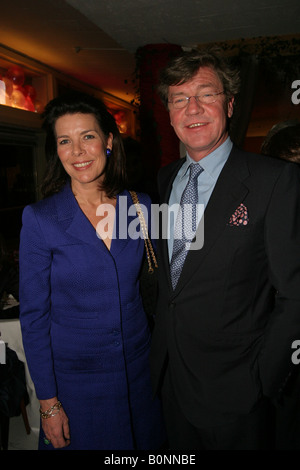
(171, 305)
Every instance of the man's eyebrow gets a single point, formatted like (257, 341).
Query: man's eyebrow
(200, 87)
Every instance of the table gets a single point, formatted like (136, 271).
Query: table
(10, 330)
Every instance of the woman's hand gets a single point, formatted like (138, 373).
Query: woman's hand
(56, 427)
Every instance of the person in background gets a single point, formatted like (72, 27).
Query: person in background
(85, 332)
(229, 299)
(9, 282)
(283, 141)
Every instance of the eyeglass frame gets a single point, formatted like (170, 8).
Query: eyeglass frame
(197, 98)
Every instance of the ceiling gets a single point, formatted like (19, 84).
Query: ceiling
(94, 41)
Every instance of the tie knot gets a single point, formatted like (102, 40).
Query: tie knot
(195, 170)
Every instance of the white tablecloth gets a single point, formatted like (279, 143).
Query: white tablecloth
(11, 333)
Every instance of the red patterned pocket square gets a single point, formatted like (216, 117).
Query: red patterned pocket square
(240, 216)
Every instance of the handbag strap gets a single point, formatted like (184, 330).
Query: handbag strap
(151, 258)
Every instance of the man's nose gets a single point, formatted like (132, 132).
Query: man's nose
(194, 106)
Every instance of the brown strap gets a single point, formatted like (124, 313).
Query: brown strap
(148, 245)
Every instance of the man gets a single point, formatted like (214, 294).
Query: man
(226, 322)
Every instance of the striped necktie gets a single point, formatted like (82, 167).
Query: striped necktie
(186, 223)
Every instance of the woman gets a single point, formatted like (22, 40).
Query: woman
(85, 333)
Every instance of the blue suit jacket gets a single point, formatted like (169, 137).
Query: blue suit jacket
(71, 285)
(227, 330)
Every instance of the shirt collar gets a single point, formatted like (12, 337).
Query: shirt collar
(213, 162)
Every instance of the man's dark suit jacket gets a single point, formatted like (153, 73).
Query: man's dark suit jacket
(227, 329)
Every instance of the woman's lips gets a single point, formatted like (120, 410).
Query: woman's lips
(82, 165)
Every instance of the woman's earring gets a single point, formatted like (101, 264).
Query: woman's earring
(108, 152)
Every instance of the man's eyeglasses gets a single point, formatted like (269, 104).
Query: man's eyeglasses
(206, 98)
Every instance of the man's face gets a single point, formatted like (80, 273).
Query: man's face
(200, 127)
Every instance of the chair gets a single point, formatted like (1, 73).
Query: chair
(13, 395)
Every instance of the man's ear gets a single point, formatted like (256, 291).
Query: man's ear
(230, 107)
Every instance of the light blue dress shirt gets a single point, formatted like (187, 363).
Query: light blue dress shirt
(212, 165)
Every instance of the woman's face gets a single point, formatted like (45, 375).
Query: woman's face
(81, 147)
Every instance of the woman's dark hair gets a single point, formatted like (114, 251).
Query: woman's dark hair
(185, 66)
(56, 177)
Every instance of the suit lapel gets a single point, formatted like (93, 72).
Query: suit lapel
(76, 223)
(78, 226)
(230, 190)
